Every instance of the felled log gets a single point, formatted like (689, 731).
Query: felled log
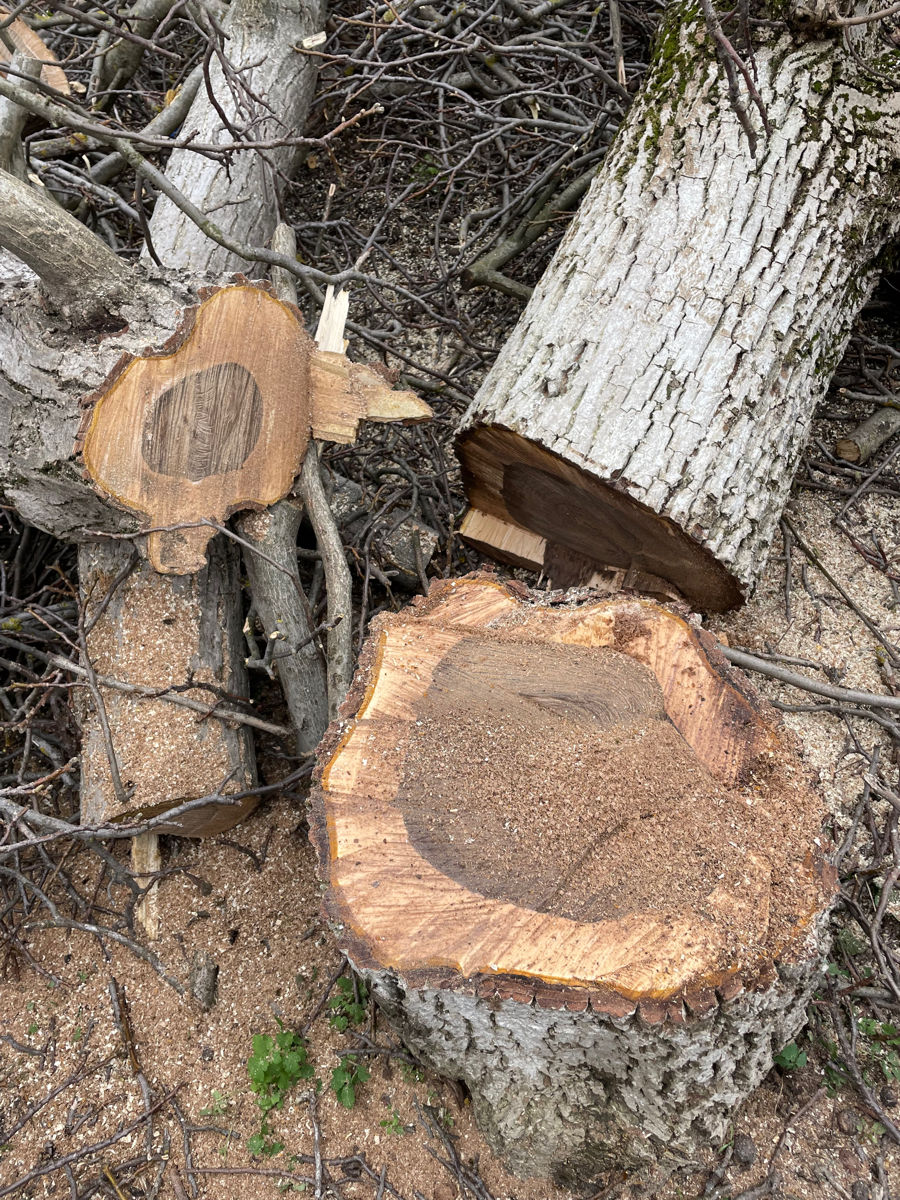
(869, 436)
(577, 860)
(156, 634)
(650, 407)
(216, 420)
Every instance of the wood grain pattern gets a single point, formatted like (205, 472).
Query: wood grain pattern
(172, 436)
(205, 424)
(24, 38)
(219, 419)
(531, 507)
(473, 652)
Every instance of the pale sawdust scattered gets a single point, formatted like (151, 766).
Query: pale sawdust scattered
(253, 924)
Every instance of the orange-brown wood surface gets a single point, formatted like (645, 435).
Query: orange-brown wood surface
(476, 654)
(220, 419)
(24, 38)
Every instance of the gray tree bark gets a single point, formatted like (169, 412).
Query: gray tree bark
(265, 96)
(650, 407)
(580, 1096)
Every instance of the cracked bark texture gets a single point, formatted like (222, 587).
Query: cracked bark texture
(242, 196)
(46, 367)
(673, 353)
(577, 1095)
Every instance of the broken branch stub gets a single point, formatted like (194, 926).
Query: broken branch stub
(219, 419)
(577, 859)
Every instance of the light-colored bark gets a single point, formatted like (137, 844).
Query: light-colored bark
(579, 1096)
(82, 276)
(282, 607)
(242, 197)
(12, 118)
(675, 349)
(46, 367)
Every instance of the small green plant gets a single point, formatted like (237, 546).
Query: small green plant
(346, 1078)
(276, 1064)
(411, 1073)
(33, 1028)
(348, 1007)
(883, 1050)
(218, 1105)
(393, 1124)
(791, 1058)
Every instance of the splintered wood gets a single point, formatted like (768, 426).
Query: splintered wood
(577, 807)
(219, 419)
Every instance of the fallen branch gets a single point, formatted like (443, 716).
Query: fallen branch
(749, 662)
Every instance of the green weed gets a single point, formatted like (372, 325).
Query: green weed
(348, 1007)
(275, 1066)
(218, 1105)
(393, 1124)
(346, 1078)
(791, 1057)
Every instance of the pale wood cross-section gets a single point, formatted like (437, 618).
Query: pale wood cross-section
(219, 419)
(577, 806)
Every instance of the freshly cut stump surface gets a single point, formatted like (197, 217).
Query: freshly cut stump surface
(579, 862)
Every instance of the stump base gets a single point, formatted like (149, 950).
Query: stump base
(577, 860)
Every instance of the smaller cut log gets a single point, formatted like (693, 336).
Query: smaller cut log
(26, 40)
(158, 634)
(868, 437)
(577, 860)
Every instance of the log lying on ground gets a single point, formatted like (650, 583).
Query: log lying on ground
(156, 632)
(868, 437)
(648, 411)
(578, 862)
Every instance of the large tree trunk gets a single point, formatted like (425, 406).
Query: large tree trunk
(578, 861)
(648, 411)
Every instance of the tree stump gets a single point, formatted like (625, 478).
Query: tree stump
(649, 410)
(578, 862)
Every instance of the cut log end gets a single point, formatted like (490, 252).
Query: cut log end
(219, 419)
(532, 508)
(580, 810)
